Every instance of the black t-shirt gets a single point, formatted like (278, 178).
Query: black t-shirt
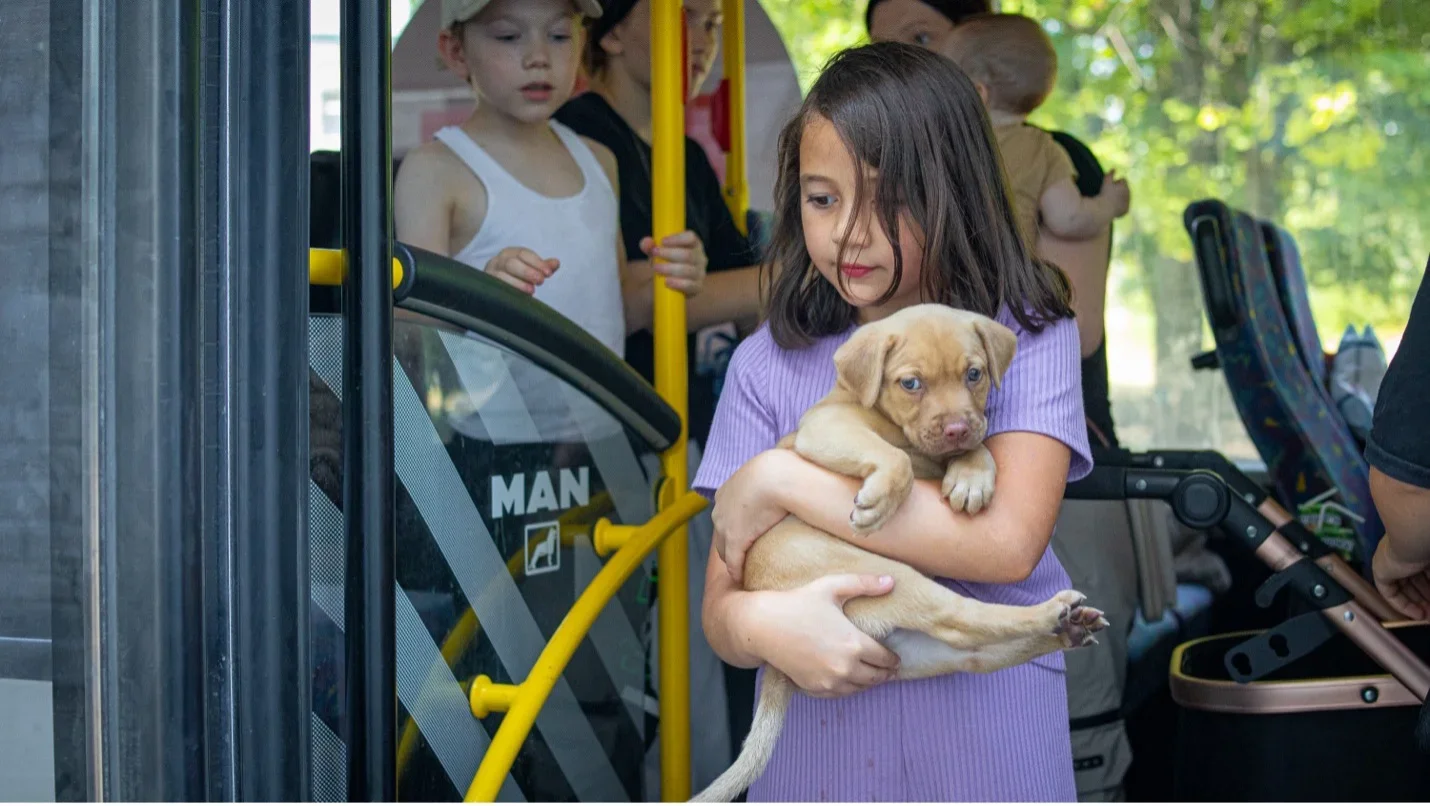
(1399, 444)
(705, 214)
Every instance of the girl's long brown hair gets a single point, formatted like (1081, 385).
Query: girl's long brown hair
(918, 121)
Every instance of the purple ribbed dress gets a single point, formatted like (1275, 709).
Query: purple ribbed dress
(970, 737)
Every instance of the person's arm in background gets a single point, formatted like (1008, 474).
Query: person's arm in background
(1069, 214)
(1399, 455)
(732, 287)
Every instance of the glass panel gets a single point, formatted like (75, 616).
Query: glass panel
(326, 73)
(45, 401)
(1300, 113)
(502, 472)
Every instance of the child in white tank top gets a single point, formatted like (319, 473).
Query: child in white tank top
(518, 195)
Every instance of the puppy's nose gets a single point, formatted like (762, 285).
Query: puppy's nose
(956, 430)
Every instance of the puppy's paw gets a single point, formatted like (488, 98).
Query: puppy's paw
(1077, 622)
(880, 497)
(968, 485)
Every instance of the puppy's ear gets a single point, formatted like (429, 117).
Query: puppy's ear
(999, 344)
(860, 363)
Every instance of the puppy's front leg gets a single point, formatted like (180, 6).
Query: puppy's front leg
(839, 441)
(968, 481)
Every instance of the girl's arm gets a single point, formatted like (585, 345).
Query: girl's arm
(1038, 441)
(1002, 544)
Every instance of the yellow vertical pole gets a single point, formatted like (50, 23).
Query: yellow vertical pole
(737, 186)
(668, 196)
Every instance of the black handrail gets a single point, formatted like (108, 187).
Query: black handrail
(472, 300)
(368, 486)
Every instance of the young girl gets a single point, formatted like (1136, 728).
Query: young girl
(890, 192)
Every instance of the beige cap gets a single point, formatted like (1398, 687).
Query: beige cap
(455, 11)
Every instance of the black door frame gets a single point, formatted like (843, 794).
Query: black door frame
(196, 144)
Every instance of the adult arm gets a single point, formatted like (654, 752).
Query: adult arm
(1399, 454)
(732, 288)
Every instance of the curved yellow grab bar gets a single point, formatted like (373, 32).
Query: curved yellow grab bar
(327, 267)
(523, 702)
(573, 522)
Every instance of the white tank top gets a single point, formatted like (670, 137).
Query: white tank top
(523, 403)
(580, 231)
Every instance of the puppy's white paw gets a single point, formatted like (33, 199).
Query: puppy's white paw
(968, 486)
(879, 498)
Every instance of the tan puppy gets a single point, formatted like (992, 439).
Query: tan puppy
(908, 403)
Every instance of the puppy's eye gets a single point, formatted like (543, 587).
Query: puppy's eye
(974, 375)
(911, 384)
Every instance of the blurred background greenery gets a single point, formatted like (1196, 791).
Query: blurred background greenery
(1311, 113)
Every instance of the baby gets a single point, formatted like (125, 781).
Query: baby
(1012, 62)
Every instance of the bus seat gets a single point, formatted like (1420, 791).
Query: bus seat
(1351, 376)
(1306, 446)
(1286, 267)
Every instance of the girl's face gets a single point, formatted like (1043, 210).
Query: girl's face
(828, 180)
(911, 22)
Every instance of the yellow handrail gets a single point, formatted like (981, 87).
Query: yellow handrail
(523, 702)
(328, 266)
(737, 186)
(574, 522)
(668, 203)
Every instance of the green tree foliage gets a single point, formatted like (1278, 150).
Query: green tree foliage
(1312, 113)
(814, 30)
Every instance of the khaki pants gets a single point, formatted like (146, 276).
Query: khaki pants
(1093, 540)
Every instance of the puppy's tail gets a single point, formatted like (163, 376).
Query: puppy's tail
(775, 692)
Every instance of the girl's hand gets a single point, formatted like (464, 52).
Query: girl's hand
(1404, 583)
(521, 268)
(805, 634)
(746, 507)
(681, 261)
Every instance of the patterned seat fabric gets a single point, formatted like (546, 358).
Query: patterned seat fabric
(1291, 286)
(1302, 439)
